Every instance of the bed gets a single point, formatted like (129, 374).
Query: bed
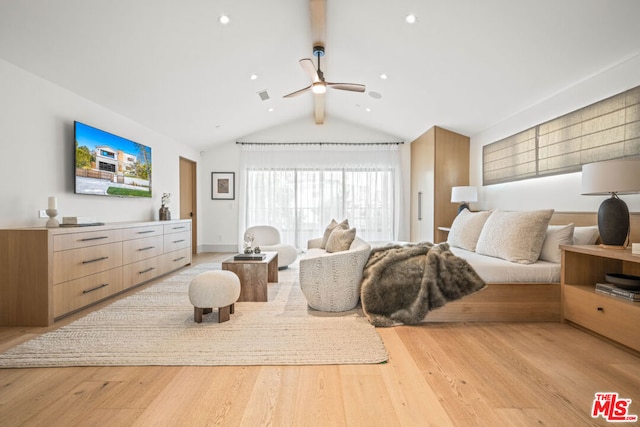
(517, 292)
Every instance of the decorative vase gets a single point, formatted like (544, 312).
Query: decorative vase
(256, 250)
(165, 214)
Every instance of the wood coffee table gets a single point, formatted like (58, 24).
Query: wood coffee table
(254, 275)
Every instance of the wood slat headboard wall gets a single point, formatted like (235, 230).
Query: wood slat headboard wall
(581, 219)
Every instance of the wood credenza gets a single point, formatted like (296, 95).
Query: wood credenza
(47, 273)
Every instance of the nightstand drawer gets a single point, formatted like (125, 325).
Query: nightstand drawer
(606, 315)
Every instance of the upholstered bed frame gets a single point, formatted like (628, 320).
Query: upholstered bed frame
(513, 302)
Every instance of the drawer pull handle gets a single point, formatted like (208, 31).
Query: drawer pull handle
(146, 231)
(147, 248)
(600, 309)
(95, 260)
(95, 289)
(178, 259)
(178, 241)
(88, 239)
(179, 228)
(147, 270)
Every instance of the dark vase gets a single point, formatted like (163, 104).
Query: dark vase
(165, 214)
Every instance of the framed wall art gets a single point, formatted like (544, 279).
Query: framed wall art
(223, 185)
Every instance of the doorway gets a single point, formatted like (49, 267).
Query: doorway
(188, 198)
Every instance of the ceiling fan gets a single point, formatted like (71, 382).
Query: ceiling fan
(318, 83)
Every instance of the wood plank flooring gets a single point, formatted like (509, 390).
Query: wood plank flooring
(440, 374)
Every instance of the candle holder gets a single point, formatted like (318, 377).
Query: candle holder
(53, 222)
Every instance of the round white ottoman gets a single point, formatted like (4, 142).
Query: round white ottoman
(218, 288)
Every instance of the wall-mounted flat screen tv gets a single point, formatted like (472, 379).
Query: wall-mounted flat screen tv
(109, 165)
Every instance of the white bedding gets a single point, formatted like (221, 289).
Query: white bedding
(497, 270)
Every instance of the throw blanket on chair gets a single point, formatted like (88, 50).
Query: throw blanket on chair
(401, 284)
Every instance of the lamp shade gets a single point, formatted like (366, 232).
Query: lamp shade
(464, 194)
(612, 176)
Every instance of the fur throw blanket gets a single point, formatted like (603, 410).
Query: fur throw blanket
(401, 284)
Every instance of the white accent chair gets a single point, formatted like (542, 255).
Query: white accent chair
(267, 238)
(331, 281)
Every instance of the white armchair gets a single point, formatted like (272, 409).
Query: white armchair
(268, 239)
(331, 281)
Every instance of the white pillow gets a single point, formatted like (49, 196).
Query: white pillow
(556, 235)
(514, 236)
(466, 229)
(585, 235)
(344, 225)
(340, 240)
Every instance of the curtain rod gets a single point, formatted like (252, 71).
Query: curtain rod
(320, 143)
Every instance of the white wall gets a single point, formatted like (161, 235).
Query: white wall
(561, 192)
(36, 161)
(221, 217)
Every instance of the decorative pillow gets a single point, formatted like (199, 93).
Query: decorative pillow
(340, 240)
(466, 229)
(514, 236)
(586, 235)
(343, 225)
(556, 235)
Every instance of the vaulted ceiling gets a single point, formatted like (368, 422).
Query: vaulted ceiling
(173, 67)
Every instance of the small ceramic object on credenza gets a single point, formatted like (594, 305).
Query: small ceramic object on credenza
(165, 213)
(52, 212)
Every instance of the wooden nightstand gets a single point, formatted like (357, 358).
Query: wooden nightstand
(611, 317)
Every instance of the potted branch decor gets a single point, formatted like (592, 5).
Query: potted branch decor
(165, 214)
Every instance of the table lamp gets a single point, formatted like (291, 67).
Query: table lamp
(612, 177)
(464, 195)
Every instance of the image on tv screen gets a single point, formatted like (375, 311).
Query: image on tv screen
(109, 165)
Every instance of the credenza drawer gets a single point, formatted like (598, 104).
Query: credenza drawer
(142, 232)
(177, 228)
(75, 294)
(603, 314)
(75, 263)
(64, 242)
(141, 271)
(139, 249)
(176, 259)
(175, 241)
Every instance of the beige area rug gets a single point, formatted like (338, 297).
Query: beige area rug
(155, 327)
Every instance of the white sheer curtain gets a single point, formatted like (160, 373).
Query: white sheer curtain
(299, 188)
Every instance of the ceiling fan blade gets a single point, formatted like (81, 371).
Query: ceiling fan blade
(353, 87)
(310, 69)
(298, 92)
(318, 99)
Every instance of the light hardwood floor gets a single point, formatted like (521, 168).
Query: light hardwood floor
(484, 374)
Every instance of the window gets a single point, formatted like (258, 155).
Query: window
(606, 130)
(301, 200)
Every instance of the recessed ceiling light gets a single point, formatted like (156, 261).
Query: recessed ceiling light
(410, 18)
(223, 19)
(368, 110)
(270, 110)
(253, 76)
(384, 76)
